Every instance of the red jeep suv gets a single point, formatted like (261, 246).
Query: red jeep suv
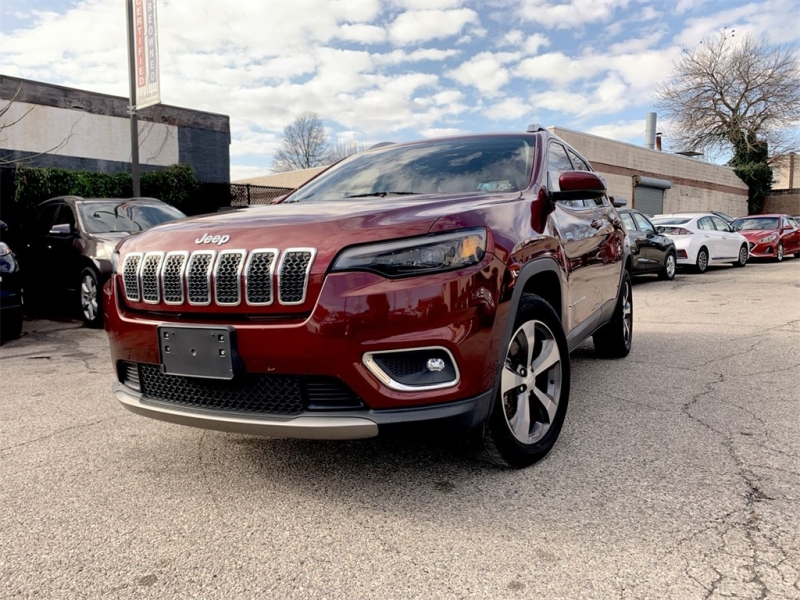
(435, 285)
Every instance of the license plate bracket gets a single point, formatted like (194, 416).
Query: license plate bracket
(206, 352)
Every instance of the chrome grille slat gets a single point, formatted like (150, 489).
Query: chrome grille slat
(293, 273)
(198, 277)
(180, 276)
(130, 276)
(149, 276)
(258, 276)
(228, 277)
(172, 277)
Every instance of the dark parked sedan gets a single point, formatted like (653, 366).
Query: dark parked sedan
(71, 242)
(651, 252)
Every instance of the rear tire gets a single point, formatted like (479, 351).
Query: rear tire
(667, 272)
(614, 339)
(744, 253)
(702, 260)
(534, 389)
(89, 298)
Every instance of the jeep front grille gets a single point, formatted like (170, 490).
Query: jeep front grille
(151, 264)
(293, 275)
(234, 275)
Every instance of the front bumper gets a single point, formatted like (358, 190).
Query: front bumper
(766, 250)
(452, 418)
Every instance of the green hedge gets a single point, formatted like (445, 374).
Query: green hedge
(176, 185)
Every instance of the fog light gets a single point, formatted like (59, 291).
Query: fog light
(415, 369)
(435, 365)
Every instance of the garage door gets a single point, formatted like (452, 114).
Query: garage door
(648, 194)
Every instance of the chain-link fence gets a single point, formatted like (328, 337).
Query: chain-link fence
(245, 194)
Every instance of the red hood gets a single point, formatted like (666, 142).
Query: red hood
(327, 226)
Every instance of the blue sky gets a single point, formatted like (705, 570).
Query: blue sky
(377, 70)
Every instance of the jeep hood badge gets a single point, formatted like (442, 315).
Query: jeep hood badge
(215, 239)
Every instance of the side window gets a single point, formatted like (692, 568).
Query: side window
(720, 224)
(643, 224)
(705, 223)
(44, 220)
(629, 224)
(65, 215)
(557, 163)
(578, 162)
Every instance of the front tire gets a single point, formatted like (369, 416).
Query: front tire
(744, 253)
(614, 339)
(534, 389)
(11, 327)
(702, 260)
(667, 272)
(779, 253)
(89, 298)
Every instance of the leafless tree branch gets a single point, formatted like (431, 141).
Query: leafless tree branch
(733, 90)
(304, 145)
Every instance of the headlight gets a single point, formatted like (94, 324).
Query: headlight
(4, 249)
(769, 238)
(416, 256)
(114, 261)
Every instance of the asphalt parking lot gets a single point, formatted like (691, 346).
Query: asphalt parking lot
(677, 475)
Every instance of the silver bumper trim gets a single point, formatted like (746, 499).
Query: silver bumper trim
(303, 427)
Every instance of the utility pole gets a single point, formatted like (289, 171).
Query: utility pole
(132, 108)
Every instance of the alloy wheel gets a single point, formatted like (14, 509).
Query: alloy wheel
(670, 266)
(743, 252)
(89, 297)
(702, 260)
(531, 382)
(627, 312)
(780, 252)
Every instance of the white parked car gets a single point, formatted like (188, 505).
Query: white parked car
(703, 239)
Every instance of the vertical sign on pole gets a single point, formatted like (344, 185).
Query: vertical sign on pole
(145, 83)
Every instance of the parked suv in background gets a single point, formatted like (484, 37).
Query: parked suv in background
(435, 285)
(71, 240)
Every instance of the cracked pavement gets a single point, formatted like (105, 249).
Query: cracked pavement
(677, 475)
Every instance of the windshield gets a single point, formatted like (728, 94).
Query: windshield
(108, 217)
(462, 166)
(755, 223)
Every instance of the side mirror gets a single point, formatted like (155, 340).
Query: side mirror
(579, 185)
(618, 201)
(61, 229)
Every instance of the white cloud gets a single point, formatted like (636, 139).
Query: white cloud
(434, 132)
(485, 71)
(509, 109)
(425, 25)
(572, 14)
(366, 34)
(240, 172)
(558, 68)
(397, 57)
(624, 131)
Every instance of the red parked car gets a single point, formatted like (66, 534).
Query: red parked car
(770, 236)
(436, 285)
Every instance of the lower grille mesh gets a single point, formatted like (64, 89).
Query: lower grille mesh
(285, 395)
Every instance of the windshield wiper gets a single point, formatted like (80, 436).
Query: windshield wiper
(382, 194)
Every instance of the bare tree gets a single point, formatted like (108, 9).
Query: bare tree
(304, 145)
(733, 93)
(344, 149)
